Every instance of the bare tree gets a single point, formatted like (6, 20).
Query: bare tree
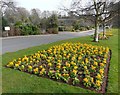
(23, 14)
(7, 4)
(95, 8)
(35, 16)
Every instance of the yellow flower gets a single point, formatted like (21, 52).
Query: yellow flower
(48, 61)
(16, 65)
(64, 54)
(73, 63)
(101, 71)
(59, 74)
(98, 76)
(105, 56)
(63, 67)
(98, 83)
(59, 61)
(73, 58)
(82, 62)
(35, 70)
(40, 66)
(79, 57)
(10, 64)
(43, 69)
(41, 72)
(86, 60)
(101, 64)
(30, 61)
(50, 64)
(74, 71)
(30, 67)
(65, 74)
(85, 67)
(58, 66)
(37, 61)
(93, 67)
(104, 61)
(92, 80)
(95, 63)
(67, 64)
(75, 67)
(85, 80)
(19, 59)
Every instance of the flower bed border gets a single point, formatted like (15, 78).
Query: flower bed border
(105, 79)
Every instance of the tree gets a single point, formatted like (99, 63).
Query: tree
(95, 8)
(52, 21)
(109, 12)
(7, 4)
(52, 24)
(23, 14)
(35, 16)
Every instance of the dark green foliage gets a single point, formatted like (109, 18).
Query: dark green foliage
(76, 25)
(61, 28)
(4, 23)
(27, 29)
(52, 24)
(52, 21)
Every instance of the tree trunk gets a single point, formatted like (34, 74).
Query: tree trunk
(104, 30)
(96, 30)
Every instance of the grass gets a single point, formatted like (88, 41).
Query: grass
(14, 81)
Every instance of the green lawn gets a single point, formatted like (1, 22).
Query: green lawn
(14, 81)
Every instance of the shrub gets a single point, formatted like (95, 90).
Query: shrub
(68, 28)
(52, 31)
(14, 31)
(29, 29)
(61, 28)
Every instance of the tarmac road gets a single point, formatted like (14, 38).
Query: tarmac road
(11, 44)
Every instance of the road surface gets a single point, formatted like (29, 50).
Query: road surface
(11, 44)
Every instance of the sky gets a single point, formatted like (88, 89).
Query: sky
(51, 5)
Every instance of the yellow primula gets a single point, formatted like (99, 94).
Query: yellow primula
(75, 67)
(95, 63)
(10, 64)
(101, 64)
(50, 64)
(40, 66)
(85, 67)
(16, 65)
(67, 64)
(93, 67)
(101, 71)
(58, 66)
(86, 60)
(74, 71)
(98, 76)
(98, 83)
(85, 80)
(35, 70)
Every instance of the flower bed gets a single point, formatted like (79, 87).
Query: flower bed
(77, 64)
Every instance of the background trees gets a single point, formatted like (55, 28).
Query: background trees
(99, 9)
(97, 12)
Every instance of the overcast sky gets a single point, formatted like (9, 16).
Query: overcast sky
(43, 4)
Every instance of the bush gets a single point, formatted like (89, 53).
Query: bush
(29, 29)
(68, 28)
(52, 31)
(61, 28)
(14, 31)
(82, 28)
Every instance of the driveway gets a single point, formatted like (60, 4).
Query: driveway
(11, 44)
